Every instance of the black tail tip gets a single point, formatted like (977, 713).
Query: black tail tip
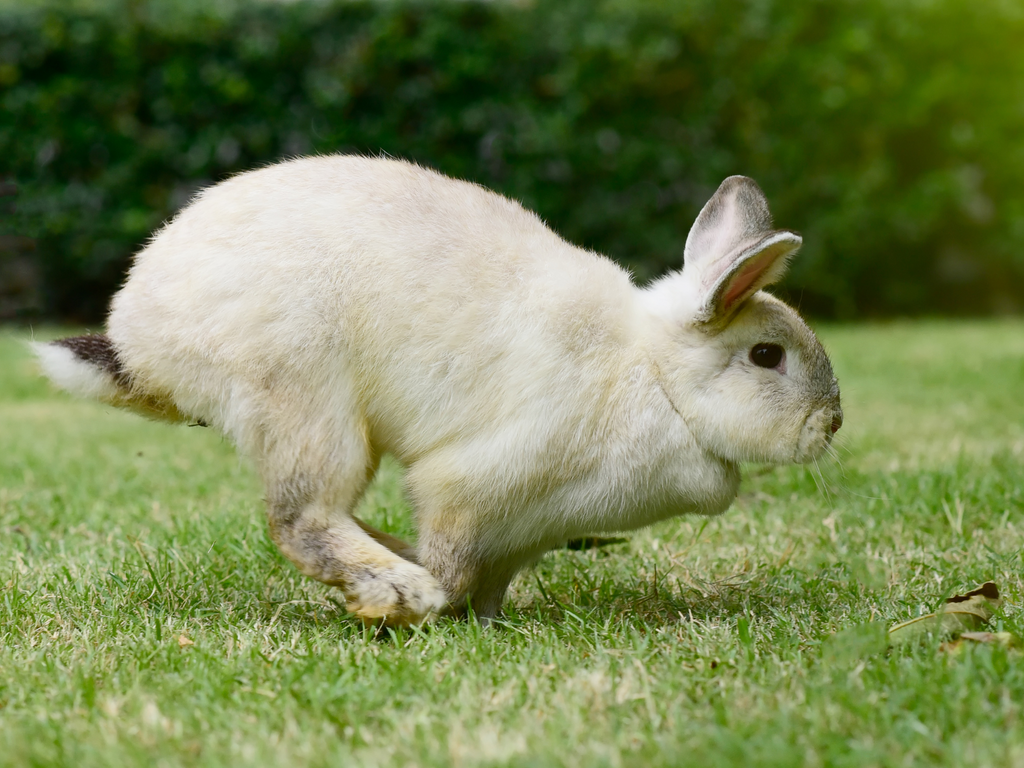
(97, 349)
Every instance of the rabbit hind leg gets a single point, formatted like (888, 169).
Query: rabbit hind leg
(309, 513)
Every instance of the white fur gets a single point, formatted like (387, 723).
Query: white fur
(327, 310)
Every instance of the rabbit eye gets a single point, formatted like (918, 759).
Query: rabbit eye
(767, 355)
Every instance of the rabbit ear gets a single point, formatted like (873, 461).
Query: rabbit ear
(732, 250)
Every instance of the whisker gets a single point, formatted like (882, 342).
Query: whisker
(819, 480)
(837, 459)
(835, 451)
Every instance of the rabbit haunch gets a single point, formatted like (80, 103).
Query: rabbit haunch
(325, 311)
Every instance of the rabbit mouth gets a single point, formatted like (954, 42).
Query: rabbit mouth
(816, 434)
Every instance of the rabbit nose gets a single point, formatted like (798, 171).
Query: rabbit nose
(837, 421)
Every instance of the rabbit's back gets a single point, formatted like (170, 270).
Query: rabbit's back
(440, 306)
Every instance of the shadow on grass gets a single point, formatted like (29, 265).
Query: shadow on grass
(767, 593)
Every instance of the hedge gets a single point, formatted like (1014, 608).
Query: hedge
(888, 133)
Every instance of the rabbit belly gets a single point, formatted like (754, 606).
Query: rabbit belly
(530, 490)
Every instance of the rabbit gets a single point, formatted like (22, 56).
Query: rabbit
(324, 311)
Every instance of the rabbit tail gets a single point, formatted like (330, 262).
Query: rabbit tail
(89, 366)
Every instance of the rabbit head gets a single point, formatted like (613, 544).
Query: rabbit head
(749, 378)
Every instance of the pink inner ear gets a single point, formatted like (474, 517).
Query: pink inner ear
(746, 277)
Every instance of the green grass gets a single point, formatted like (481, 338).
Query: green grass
(145, 617)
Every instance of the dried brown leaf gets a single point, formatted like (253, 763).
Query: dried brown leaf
(960, 614)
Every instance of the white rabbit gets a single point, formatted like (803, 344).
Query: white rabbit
(325, 311)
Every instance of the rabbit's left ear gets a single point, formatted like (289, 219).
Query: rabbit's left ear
(732, 250)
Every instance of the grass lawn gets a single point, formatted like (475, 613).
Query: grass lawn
(145, 617)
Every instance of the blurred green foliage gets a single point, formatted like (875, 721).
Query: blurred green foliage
(890, 133)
